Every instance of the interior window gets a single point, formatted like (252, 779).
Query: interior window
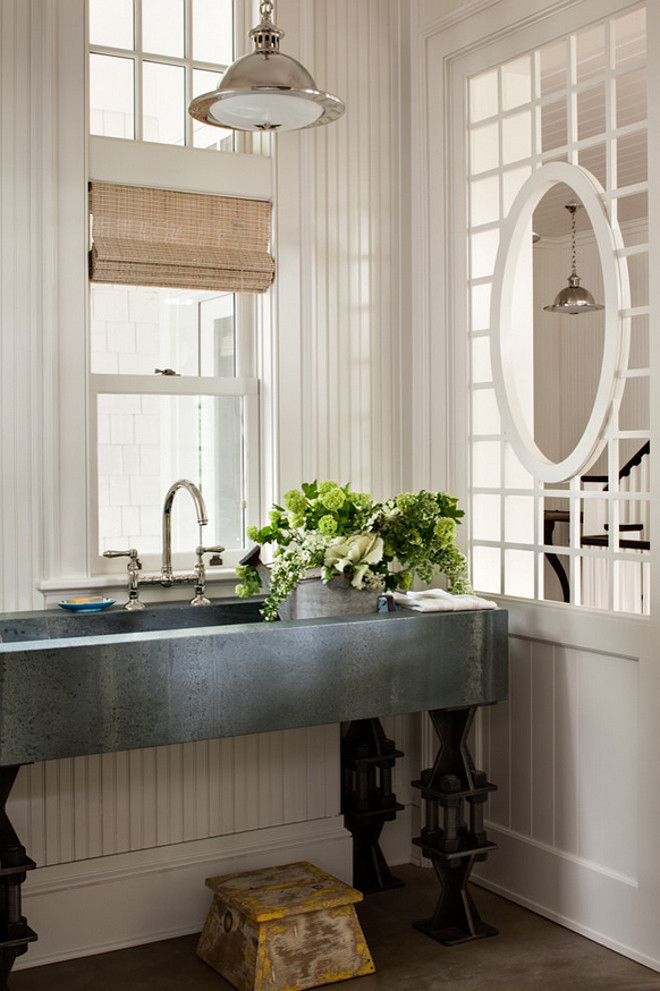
(585, 540)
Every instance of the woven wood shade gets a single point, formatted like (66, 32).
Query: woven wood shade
(159, 237)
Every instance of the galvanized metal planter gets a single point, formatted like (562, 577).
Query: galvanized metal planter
(315, 599)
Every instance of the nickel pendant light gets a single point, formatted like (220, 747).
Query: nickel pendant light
(574, 298)
(266, 90)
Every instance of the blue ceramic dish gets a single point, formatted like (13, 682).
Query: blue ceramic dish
(86, 606)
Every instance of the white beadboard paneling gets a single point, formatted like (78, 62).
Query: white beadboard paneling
(108, 804)
(543, 743)
(520, 708)
(566, 752)
(608, 746)
(497, 763)
(337, 301)
(568, 730)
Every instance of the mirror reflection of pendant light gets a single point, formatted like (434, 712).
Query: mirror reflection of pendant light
(574, 298)
(266, 90)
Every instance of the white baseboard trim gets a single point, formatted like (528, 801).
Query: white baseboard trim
(110, 903)
(557, 885)
(562, 920)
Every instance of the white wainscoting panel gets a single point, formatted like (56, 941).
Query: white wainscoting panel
(100, 806)
(567, 732)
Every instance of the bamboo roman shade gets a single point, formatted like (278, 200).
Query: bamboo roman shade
(161, 237)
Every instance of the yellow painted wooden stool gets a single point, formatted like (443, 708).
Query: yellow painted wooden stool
(284, 929)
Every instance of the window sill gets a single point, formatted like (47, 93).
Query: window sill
(220, 584)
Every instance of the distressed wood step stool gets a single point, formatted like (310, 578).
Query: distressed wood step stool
(284, 929)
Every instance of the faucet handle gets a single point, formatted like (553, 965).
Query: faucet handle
(209, 550)
(132, 553)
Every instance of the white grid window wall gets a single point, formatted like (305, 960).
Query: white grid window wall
(580, 100)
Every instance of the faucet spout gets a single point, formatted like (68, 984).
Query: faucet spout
(202, 519)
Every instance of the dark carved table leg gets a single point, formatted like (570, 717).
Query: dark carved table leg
(15, 934)
(368, 802)
(451, 789)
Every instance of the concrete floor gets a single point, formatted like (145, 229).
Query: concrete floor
(530, 954)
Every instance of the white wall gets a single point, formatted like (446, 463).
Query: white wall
(335, 365)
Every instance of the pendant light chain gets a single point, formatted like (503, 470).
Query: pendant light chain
(573, 208)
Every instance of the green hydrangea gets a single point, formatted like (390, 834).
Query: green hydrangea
(295, 501)
(405, 500)
(326, 487)
(295, 520)
(328, 525)
(445, 530)
(359, 498)
(332, 499)
(252, 533)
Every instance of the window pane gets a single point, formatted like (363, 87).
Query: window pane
(205, 136)
(136, 329)
(111, 24)
(163, 103)
(519, 519)
(631, 98)
(486, 464)
(516, 83)
(145, 444)
(486, 521)
(519, 574)
(553, 66)
(162, 27)
(630, 37)
(590, 53)
(111, 96)
(485, 412)
(481, 366)
(554, 133)
(516, 137)
(591, 118)
(483, 96)
(212, 31)
(485, 201)
(631, 159)
(484, 252)
(486, 569)
(484, 148)
(481, 306)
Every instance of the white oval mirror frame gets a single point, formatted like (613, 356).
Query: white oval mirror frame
(516, 237)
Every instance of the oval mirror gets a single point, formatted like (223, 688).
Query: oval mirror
(557, 372)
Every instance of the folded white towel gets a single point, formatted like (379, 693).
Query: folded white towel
(437, 600)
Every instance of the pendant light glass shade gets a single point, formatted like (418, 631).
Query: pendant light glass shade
(574, 298)
(266, 90)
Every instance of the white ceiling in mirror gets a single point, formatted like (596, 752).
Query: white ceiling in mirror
(514, 256)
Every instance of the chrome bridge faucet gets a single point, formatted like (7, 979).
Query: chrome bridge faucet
(167, 576)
